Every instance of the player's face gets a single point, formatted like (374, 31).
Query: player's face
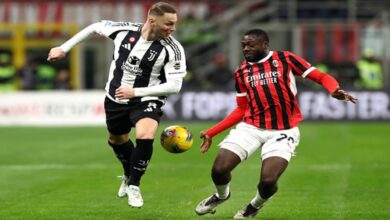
(254, 48)
(164, 25)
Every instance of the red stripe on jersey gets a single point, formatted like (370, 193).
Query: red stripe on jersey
(291, 103)
(280, 90)
(262, 92)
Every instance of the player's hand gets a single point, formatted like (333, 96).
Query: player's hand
(55, 53)
(207, 140)
(124, 92)
(343, 95)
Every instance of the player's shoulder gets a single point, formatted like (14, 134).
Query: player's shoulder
(171, 42)
(242, 68)
(121, 24)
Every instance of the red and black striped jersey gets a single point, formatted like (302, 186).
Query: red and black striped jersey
(269, 85)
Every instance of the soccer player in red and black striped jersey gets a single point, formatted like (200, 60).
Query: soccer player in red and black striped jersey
(267, 114)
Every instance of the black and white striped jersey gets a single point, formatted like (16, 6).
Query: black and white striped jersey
(140, 63)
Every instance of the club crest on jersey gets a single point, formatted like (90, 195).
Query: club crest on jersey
(131, 39)
(275, 63)
(152, 54)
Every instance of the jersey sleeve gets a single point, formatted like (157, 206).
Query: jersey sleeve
(106, 28)
(327, 81)
(233, 118)
(239, 84)
(299, 66)
(176, 65)
(237, 114)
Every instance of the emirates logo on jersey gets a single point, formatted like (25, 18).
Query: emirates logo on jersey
(275, 63)
(262, 79)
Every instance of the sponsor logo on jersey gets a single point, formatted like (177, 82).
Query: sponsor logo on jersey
(263, 78)
(176, 66)
(134, 60)
(120, 24)
(132, 66)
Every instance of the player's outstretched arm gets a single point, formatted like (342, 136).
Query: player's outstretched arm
(331, 85)
(207, 141)
(343, 95)
(55, 53)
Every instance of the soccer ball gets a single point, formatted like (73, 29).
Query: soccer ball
(176, 139)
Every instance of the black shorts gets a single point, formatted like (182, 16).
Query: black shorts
(120, 118)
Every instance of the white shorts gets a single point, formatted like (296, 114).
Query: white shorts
(245, 139)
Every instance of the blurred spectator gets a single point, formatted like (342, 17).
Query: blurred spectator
(28, 74)
(193, 30)
(63, 80)
(191, 80)
(220, 76)
(8, 78)
(370, 71)
(46, 76)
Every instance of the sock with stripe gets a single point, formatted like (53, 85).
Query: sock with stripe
(140, 160)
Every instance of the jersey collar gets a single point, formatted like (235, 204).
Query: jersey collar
(264, 59)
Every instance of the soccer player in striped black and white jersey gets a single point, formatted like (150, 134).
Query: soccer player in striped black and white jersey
(269, 115)
(148, 64)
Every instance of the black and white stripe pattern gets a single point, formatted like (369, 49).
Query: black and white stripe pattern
(140, 63)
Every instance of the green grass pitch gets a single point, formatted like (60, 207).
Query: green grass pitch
(341, 171)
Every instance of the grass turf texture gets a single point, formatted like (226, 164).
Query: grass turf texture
(341, 171)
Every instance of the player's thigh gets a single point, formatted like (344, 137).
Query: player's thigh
(281, 143)
(146, 128)
(117, 118)
(146, 117)
(242, 140)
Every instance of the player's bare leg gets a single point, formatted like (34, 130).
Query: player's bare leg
(224, 163)
(272, 168)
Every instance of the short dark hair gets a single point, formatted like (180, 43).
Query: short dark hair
(259, 33)
(160, 8)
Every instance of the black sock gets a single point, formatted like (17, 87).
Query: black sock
(123, 152)
(140, 159)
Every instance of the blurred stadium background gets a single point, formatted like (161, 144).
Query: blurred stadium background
(36, 96)
(333, 35)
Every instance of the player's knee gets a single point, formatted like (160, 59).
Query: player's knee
(220, 170)
(220, 175)
(145, 135)
(268, 181)
(118, 139)
(267, 188)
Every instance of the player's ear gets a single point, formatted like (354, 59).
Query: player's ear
(152, 20)
(265, 44)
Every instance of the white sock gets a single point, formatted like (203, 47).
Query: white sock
(257, 201)
(222, 191)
